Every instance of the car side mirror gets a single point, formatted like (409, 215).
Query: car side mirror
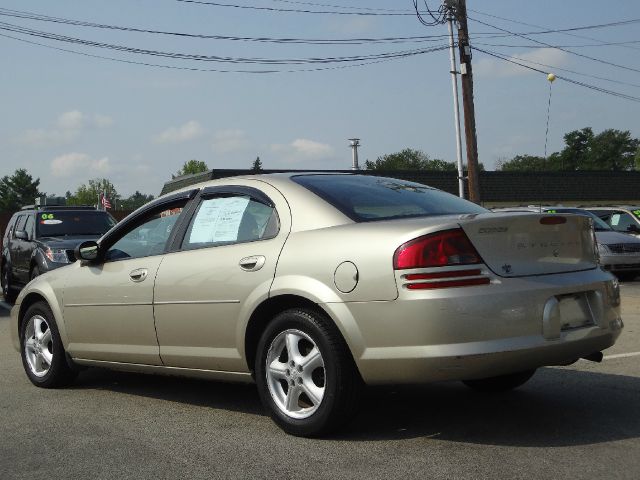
(633, 228)
(22, 235)
(87, 251)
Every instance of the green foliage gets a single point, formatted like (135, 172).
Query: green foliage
(257, 165)
(87, 194)
(191, 167)
(18, 190)
(134, 201)
(609, 150)
(409, 159)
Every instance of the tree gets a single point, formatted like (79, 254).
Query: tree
(135, 201)
(191, 167)
(257, 165)
(638, 159)
(613, 150)
(409, 159)
(576, 153)
(529, 163)
(18, 190)
(87, 194)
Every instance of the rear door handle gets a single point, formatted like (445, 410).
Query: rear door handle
(138, 275)
(253, 263)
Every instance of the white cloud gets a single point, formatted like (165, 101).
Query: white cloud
(493, 67)
(226, 141)
(302, 149)
(66, 129)
(70, 164)
(189, 131)
(72, 120)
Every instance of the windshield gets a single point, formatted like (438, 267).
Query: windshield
(599, 225)
(72, 223)
(366, 198)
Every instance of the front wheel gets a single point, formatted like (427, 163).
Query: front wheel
(7, 291)
(502, 383)
(305, 374)
(43, 355)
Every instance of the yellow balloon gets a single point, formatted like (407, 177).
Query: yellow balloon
(551, 77)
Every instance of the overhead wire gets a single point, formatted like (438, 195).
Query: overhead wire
(296, 10)
(566, 79)
(568, 33)
(548, 45)
(311, 41)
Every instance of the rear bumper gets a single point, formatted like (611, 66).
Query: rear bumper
(481, 331)
(466, 361)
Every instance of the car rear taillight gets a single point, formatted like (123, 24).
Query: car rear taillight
(447, 248)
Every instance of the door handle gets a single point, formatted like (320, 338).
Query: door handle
(138, 275)
(253, 263)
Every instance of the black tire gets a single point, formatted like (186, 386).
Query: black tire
(337, 377)
(502, 383)
(58, 373)
(35, 272)
(8, 292)
(626, 276)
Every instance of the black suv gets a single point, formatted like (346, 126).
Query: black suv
(39, 239)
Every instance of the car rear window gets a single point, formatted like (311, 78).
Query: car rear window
(365, 198)
(70, 223)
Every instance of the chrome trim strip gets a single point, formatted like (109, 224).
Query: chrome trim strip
(195, 302)
(114, 304)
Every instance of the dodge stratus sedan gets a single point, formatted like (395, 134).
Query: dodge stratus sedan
(314, 285)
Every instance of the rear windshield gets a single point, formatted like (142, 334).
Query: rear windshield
(70, 223)
(365, 198)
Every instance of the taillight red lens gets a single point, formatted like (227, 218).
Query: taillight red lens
(450, 247)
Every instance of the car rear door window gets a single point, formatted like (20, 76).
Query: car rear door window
(228, 219)
(20, 223)
(29, 227)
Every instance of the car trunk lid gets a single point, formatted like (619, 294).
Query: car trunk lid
(523, 244)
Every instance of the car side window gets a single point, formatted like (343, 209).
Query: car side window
(20, 222)
(621, 221)
(30, 227)
(148, 236)
(229, 219)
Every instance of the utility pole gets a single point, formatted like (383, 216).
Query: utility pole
(355, 143)
(467, 100)
(456, 106)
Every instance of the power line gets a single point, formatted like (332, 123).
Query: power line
(544, 28)
(296, 10)
(624, 67)
(566, 79)
(311, 41)
(211, 58)
(575, 72)
(195, 69)
(604, 44)
(345, 7)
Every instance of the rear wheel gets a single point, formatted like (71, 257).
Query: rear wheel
(305, 375)
(502, 383)
(8, 292)
(43, 355)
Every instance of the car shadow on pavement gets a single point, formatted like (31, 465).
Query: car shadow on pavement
(201, 393)
(558, 407)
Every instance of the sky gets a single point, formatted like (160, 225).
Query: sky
(68, 118)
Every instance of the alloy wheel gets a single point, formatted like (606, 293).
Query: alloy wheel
(38, 345)
(295, 374)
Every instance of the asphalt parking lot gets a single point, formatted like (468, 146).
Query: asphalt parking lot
(581, 421)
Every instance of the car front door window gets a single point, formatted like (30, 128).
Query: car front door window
(147, 238)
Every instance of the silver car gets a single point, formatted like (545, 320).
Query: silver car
(623, 218)
(314, 285)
